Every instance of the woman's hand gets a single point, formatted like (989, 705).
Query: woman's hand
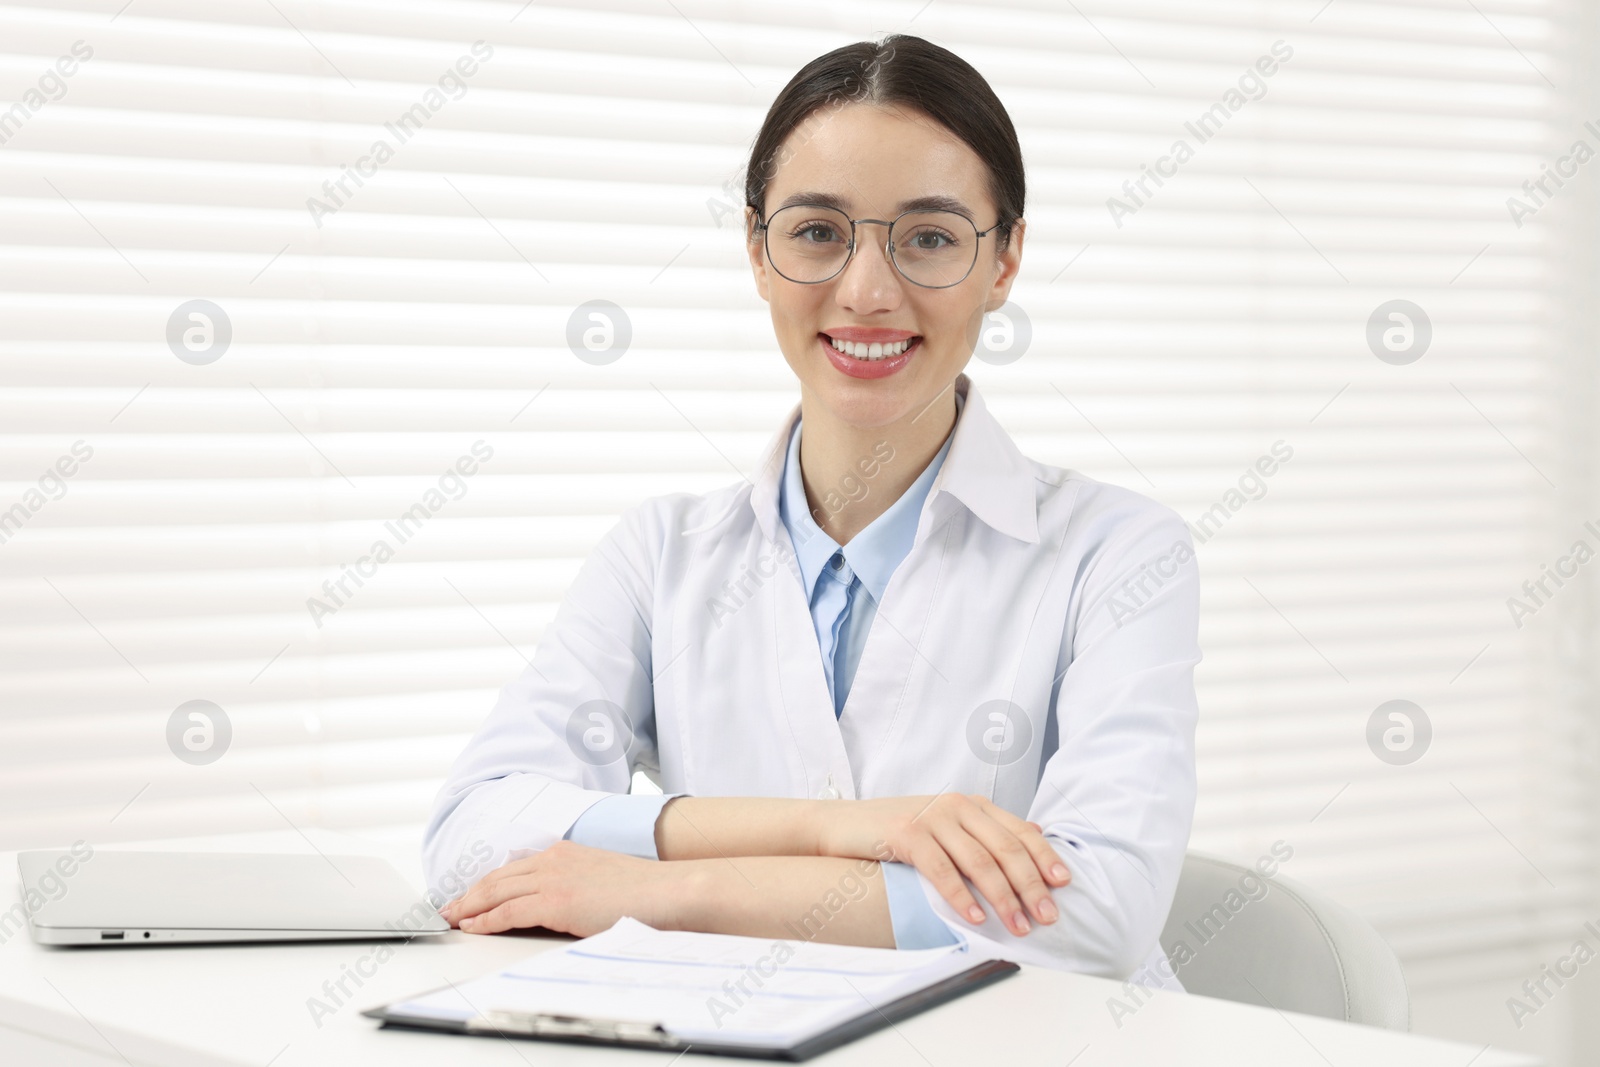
(948, 836)
(572, 889)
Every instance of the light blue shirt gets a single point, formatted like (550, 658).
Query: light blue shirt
(844, 585)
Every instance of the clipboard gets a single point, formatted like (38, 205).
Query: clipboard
(645, 1035)
(774, 998)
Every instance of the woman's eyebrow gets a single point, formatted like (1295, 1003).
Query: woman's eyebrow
(935, 203)
(838, 203)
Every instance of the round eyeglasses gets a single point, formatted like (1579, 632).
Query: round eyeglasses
(808, 243)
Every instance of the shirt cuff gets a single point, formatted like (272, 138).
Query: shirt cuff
(625, 822)
(916, 925)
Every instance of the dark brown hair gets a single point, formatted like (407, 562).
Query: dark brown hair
(903, 70)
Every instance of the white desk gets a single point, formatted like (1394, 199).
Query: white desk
(247, 1005)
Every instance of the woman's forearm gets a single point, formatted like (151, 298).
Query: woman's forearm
(807, 898)
(950, 838)
(697, 828)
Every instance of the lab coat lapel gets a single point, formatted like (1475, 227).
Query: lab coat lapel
(794, 660)
(803, 688)
(896, 666)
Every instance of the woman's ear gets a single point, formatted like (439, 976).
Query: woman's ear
(755, 248)
(1009, 262)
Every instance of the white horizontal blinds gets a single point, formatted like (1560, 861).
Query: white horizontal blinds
(587, 159)
(369, 356)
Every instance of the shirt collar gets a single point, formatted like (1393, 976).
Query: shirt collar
(875, 552)
(983, 470)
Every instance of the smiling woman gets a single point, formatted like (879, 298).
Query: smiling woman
(928, 226)
(929, 687)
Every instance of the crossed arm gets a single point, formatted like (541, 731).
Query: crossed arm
(765, 867)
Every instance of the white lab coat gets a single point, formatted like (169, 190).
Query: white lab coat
(1037, 646)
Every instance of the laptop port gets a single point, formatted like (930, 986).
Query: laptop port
(112, 935)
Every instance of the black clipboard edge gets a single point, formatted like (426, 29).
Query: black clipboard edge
(942, 991)
(947, 989)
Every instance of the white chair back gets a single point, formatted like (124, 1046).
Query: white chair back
(1239, 936)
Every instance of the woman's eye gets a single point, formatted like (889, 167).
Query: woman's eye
(928, 241)
(818, 234)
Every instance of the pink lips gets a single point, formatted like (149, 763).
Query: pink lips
(860, 368)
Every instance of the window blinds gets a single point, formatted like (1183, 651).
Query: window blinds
(281, 283)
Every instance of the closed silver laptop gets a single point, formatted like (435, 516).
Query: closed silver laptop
(155, 898)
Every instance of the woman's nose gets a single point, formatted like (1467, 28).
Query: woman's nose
(870, 281)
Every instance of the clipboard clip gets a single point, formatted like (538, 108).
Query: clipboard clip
(539, 1024)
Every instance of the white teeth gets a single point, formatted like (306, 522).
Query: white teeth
(870, 352)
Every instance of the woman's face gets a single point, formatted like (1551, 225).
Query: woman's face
(873, 162)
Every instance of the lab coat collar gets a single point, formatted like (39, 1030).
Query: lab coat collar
(984, 470)
(812, 547)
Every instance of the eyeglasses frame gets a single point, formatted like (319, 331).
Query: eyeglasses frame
(764, 228)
